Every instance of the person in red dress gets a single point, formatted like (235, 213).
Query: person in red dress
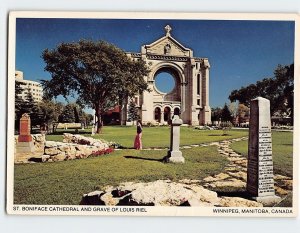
(138, 138)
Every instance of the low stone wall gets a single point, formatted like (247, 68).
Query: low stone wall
(79, 139)
(59, 151)
(72, 147)
(38, 141)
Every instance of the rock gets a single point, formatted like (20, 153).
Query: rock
(239, 175)
(288, 184)
(51, 151)
(108, 199)
(187, 181)
(163, 193)
(50, 144)
(231, 169)
(233, 183)
(45, 158)
(280, 191)
(64, 147)
(280, 177)
(221, 176)
(243, 162)
(61, 156)
(235, 159)
(238, 202)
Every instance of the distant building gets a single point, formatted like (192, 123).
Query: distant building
(27, 85)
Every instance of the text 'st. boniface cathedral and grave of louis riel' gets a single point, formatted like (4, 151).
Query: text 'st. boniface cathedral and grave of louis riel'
(190, 96)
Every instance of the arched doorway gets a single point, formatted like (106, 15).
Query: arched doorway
(157, 114)
(167, 114)
(176, 111)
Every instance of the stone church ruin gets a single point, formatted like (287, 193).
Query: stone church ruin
(190, 96)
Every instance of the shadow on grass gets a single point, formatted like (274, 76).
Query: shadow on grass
(218, 135)
(149, 159)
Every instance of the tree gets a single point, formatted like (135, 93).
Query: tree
(50, 112)
(243, 113)
(133, 111)
(19, 103)
(68, 114)
(30, 106)
(278, 89)
(226, 114)
(98, 74)
(216, 114)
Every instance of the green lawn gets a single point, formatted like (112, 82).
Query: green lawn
(282, 147)
(156, 136)
(65, 182)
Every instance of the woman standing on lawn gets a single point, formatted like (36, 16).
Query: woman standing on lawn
(138, 137)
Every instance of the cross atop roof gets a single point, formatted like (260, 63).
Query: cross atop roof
(168, 29)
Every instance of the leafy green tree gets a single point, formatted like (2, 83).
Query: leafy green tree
(132, 111)
(68, 114)
(50, 112)
(243, 113)
(278, 89)
(98, 74)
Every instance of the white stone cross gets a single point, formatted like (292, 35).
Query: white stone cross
(168, 30)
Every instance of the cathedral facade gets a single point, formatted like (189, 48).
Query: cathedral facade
(190, 96)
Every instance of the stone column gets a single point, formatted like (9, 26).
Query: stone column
(162, 116)
(25, 143)
(260, 177)
(174, 154)
(147, 105)
(206, 112)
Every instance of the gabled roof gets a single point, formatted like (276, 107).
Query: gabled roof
(167, 45)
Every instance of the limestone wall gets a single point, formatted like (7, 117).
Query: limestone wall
(72, 147)
(38, 141)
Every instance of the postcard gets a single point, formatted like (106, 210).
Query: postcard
(152, 114)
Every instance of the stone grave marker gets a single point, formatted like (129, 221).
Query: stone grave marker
(174, 154)
(25, 143)
(260, 177)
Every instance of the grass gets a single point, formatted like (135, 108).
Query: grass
(64, 183)
(155, 136)
(282, 147)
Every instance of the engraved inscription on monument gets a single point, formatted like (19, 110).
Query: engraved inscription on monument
(260, 178)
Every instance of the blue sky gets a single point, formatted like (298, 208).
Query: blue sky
(240, 52)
